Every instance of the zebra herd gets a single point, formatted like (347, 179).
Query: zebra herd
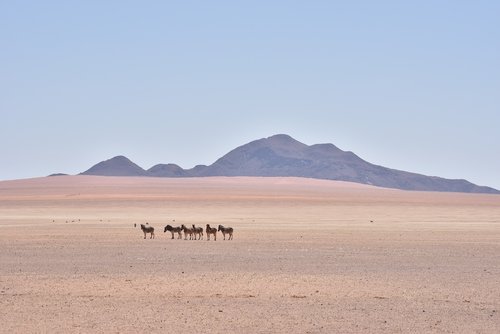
(194, 233)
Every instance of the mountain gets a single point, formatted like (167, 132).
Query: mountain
(167, 170)
(57, 174)
(117, 166)
(281, 155)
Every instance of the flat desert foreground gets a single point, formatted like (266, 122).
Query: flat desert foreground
(308, 256)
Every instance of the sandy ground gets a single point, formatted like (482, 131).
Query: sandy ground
(308, 256)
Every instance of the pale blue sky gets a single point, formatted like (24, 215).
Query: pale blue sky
(408, 85)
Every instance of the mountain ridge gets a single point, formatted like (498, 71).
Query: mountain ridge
(281, 155)
(116, 166)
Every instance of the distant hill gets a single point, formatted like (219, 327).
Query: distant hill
(169, 170)
(117, 166)
(281, 155)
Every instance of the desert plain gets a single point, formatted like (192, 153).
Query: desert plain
(308, 256)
